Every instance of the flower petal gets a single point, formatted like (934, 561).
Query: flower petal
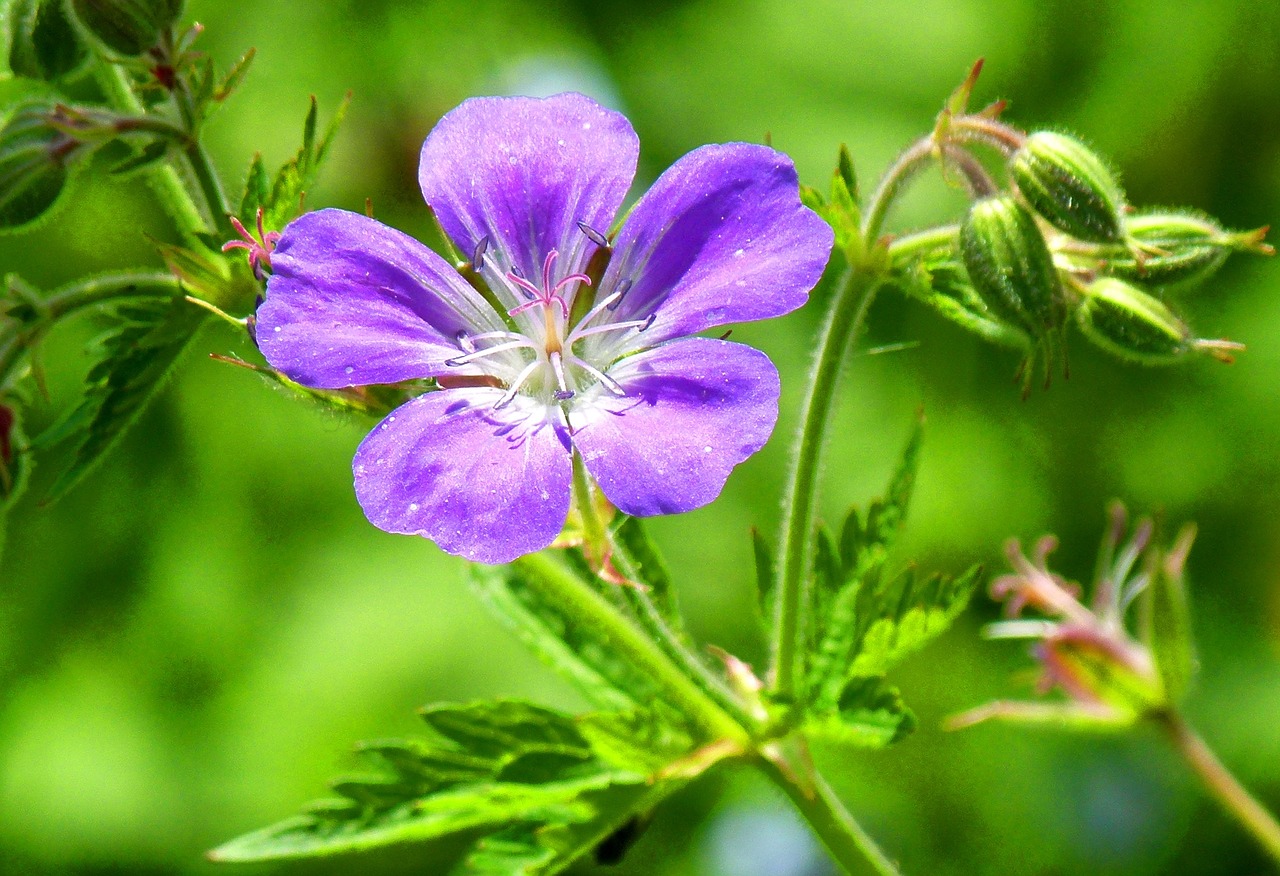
(721, 237)
(489, 485)
(693, 410)
(524, 172)
(352, 302)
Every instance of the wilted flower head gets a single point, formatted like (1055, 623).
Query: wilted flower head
(554, 339)
(1109, 676)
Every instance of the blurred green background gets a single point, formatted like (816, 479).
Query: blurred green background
(192, 640)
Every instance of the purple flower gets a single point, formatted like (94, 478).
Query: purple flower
(579, 345)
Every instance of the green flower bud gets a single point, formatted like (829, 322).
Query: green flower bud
(1168, 249)
(129, 27)
(1010, 266)
(35, 164)
(1070, 186)
(1132, 324)
(42, 42)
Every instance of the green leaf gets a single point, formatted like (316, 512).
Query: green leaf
(257, 191)
(766, 573)
(136, 355)
(523, 594)
(634, 540)
(869, 714)
(638, 740)
(907, 614)
(517, 780)
(298, 175)
(234, 76)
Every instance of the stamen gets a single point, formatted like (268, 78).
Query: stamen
(638, 324)
(594, 236)
(595, 311)
(467, 345)
(623, 288)
(520, 380)
(477, 257)
(557, 365)
(609, 383)
(481, 354)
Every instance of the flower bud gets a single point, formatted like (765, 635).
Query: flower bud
(1167, 249)
(43, 44)
(1069, 185)
(35, 157)
(1132, 324)
(1010, 266)
(129, 27)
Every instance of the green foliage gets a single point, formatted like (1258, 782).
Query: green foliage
(281, 199)
(864, 622)
(522, 595)
(135, 356)
(15, 461)
(43, 44)
(526, 778)
(841, 209)
(868, 714)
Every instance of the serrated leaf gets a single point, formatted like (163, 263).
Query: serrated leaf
(299, 174)
(633, 538)
(869, 714)
(905, 616)
(845, 172)
(518, 772)
(639, 740)
(766, 573)
(526, 595)
(257, 191)
(234, 76)
(138, 353)
(884, 518)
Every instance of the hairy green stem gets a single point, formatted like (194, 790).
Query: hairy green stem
(168, 185)
(575, 596)
(1224, 787)
(201, 163)
(919, 242)
(638, 598)
(853, 296)
(850, 845)
(907, 165)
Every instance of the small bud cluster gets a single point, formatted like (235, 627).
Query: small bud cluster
(1056, 243)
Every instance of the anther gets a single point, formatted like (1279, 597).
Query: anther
(648, 322)
(594, 236)
(623, 288)
(465, 342)
(563, 394)
(477, 257)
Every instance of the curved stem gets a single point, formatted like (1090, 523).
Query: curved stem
(202, 164)
(1224, 787)
(639, 599)
(908, 164)
(164, 178)
(577, 597)
(909, 245)
(850, 845)
(853, 297)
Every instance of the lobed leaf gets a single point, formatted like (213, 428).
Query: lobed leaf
(284, 202)
(869, 714)
(471, 780)
(633, 538)
(136, 356)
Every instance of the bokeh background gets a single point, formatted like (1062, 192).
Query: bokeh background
(192, 640)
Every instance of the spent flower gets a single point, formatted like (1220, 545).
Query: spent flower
(555, 338)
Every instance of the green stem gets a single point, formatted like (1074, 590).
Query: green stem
(853, 297)
(1224, 787)
(577, 598)
(908, 164)
(907, 246)
(164, 178)
(639, 599)
(202, 164)
(850, 845)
